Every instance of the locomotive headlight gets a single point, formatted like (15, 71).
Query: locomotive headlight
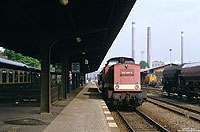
(117, 85)
(137, 86)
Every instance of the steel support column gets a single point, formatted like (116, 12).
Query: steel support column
(67, 82)
(74, 81)
(78, 80)
(45, 97)
(64, 78)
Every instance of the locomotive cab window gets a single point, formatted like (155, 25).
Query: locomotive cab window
(21, 77)
(129, 62)
(112, 63)
(10, 76)
(4, 76)
(16, 76)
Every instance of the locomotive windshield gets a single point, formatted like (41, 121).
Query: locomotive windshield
(121, 60)
(129, 62)
(110, 63)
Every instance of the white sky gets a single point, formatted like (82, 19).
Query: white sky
(167, 18)
(1, 48)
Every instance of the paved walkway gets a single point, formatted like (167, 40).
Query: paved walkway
(85, 113)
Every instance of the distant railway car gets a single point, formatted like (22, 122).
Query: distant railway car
(120, 82)
(151, 79)
(19, 82)
(183, 80)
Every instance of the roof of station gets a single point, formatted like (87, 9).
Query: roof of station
(157, 67)
(82, 29)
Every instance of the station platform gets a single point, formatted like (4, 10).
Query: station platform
(87, 112)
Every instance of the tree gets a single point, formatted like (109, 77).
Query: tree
(1, 53)
(143, 64)
(20, 58)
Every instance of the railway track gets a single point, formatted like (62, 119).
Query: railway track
(181, 110)
(153, 90)
(139, 122)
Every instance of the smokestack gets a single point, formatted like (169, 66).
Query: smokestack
(149, 46)
(182, 47)
(133, 40)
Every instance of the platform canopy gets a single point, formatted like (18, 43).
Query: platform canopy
(79, 29)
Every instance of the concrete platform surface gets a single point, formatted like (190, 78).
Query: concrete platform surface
(85, 113)
(26, 117)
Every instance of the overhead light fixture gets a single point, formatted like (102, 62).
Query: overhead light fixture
(78, 39)
(64, 2)
(86, 61)
(83, 53)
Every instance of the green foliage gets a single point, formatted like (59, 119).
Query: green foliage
(52, 68)
(186, 115)
(143, 65)
(20, 58)
(89, 79)
(1, 53)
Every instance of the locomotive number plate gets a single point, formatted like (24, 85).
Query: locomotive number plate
(126, 72)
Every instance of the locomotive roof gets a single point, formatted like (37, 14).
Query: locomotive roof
(148, 69)
(120, 59)
(117, 58)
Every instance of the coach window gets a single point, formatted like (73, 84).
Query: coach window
(10, 76)
(16, 76)
(21, 77)
(25, 76)
(4, 77)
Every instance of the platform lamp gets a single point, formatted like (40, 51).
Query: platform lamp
(83, 53)
(64, 2)
(170, 50)
(78, 39)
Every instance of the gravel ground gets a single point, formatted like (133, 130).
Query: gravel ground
(170, 120)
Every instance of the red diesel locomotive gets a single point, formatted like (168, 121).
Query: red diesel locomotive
(120, 83)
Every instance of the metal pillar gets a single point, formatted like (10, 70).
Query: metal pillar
(182, 47)
(67, 78)
(73, 81)
(84, 79)
(77, 80)
(149, 46)
(63, 78)
(133, 40)
(45, 98)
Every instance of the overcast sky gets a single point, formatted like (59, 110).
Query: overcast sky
(167, 18)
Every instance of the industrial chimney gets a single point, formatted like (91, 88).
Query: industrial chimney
(149, 46)
(182, 47)
(133, 40)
